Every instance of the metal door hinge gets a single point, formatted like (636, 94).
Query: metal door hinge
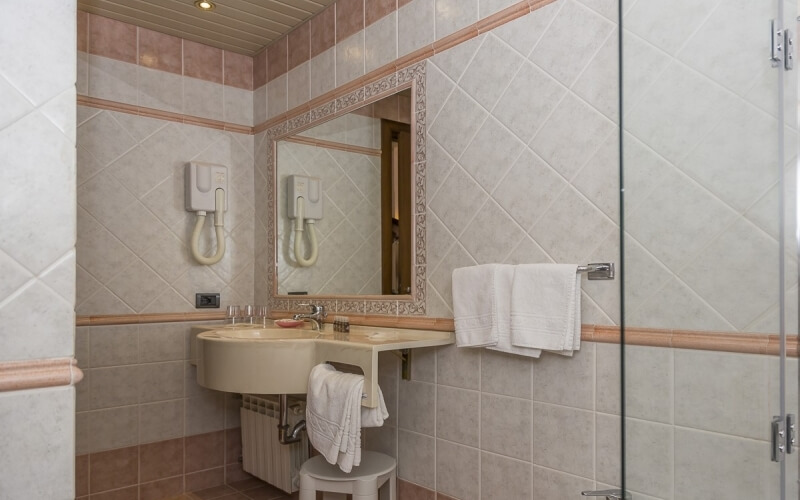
(781, 47)
(783, 436)
(609, 494)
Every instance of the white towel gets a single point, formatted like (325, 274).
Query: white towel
(480, 304)
(503, 281)
(334, 415)
(546, 307)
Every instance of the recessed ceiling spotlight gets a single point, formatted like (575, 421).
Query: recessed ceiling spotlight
(204, 5)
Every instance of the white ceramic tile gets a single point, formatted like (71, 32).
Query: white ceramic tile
(692, 214)
(548, 483)
(14, 275)
(457, 415)
(260, 105)
(277, 96)
(570, 226)
(659, 311)
(714, 465)
(112, 428)
(525, 32)
(571, 135)
(104, 138)
(82, 81)
(322, 72)
(456, 124)
(457, 201)
(648, 20)
(98, 251)
(599, 180)
(737, 160)
(442, 277)
(528, 101)
(494, 64)
(457, 470)
(238, 105)
(702, 386)
(350, 58)
(599, 82)
(161, 421)
(16, 106)
(457, 367)
(502, 477)
(114, 386)
(529, 188)
(488, 7)
(491, 154)
(103, 197)
(415, 21)
(673, 114)
(380, 41)
(42, 56)
(506, 374)
(203, 99)
(566, 381)
(41, 322)
(204, 413)
(418, 411)
(740, 300)
(556, 449)
(416, 459)
(570, 42)
(114, 80)
(299, 85)
(506, 426)
(165, 91)
(490, 226)
(452, 15)
(42, 423)
(643, 64)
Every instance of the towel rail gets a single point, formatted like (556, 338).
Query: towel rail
(598, 270)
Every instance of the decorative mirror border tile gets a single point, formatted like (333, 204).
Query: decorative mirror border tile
(413, 77)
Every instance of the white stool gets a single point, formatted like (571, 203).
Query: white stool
(363, 482)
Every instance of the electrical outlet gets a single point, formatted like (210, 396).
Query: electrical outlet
(206, 301)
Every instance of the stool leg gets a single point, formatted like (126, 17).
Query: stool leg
(366, 489)
(393, 486)
(308, 488)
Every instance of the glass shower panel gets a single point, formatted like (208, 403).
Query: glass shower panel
(707, 273)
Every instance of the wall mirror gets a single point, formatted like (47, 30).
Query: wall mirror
(357, 166)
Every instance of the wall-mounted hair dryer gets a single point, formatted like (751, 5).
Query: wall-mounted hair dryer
(305, 207)
(206, 190)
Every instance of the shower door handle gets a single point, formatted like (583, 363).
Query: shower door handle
(609, 494)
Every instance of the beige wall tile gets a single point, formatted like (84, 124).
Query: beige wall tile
(457, 415)
(416, 458)
(566, 381)
(506, 426)
(503, 477)
(506, 374)
(418, 409)
(559, 450)
(458, 367)
(457, 470)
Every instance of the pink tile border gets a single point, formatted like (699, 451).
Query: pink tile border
(160, 51)
(38, 373)
(349, 18)
(202, 61)
(113, 39)
(323, 30)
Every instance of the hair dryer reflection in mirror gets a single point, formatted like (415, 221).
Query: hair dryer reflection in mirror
(305, 208)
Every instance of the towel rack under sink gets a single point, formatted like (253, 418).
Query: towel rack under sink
(598, 270)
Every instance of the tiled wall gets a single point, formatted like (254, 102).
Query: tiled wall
(133, 230)
(124, 63)
(143, 423)
(701, 175)
(37, 243)
(477, 424)
(349, 234)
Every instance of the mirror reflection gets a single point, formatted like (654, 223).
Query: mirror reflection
(344, 203)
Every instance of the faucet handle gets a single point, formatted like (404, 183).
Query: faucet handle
(316, 309)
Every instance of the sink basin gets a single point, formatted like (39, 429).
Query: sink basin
(278, 360)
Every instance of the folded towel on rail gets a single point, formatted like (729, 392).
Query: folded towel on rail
(481, 300)
(334, 415)
(546, 307)
(503, 281)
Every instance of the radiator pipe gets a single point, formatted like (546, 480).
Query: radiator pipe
(286, 436)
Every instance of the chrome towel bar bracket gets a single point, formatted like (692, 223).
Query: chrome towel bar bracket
(598, 270)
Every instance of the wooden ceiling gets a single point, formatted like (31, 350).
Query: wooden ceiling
(243, 26)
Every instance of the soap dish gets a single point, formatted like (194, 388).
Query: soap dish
(288, 323)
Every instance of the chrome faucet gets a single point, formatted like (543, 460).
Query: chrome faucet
(316, 316)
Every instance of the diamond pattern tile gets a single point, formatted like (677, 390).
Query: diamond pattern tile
(133, 227)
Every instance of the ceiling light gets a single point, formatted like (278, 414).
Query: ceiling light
(204, 5)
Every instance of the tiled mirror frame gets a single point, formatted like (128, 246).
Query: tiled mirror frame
(412, 77)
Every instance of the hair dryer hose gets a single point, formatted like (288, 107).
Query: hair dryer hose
(219, 229)
(298, 238)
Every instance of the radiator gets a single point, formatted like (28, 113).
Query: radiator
(262, 453)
